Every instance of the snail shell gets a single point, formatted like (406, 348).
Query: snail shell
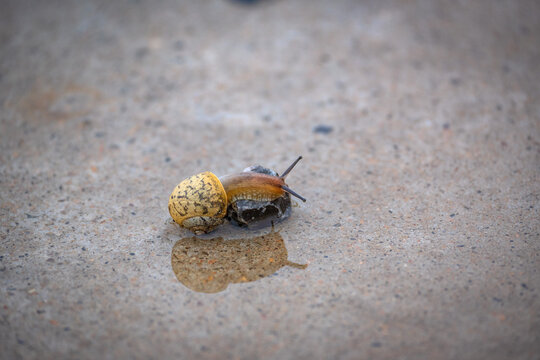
(199, 203)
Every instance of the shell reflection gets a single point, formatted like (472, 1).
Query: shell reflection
(210, 265)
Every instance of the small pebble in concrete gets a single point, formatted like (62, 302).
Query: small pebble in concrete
(246, 2)
(455, 81)
(323, 129)
(141, 52)
(179, 45)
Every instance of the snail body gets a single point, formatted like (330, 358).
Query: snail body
(252, 186)
(202, 202)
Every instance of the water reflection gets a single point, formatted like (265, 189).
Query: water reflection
(210, 265)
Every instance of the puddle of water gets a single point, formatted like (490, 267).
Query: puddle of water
(210, 265)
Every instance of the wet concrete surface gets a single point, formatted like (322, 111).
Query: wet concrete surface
(419, 123)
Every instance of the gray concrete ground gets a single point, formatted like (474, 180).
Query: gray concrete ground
(419, 122)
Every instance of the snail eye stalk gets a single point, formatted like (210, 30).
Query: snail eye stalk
(286, 172)
(293, 193)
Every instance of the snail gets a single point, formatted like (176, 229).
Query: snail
(202, 202)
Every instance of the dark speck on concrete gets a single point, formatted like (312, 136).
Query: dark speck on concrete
(132, 253)
(376, 344)
(323, 129)
(141, 52)
(337, 225)
(455, 81)
(83, 248)
(178, 45)
(167, 159)
(324, 58)
(523, 285)
(446, 126)
(452, 215)
(99, 134)
(246, 2)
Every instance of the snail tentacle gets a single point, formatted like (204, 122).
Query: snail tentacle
(286, 172)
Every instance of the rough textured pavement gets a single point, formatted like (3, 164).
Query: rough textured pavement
(419, 122)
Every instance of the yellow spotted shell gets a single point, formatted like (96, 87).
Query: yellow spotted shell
(199, 203)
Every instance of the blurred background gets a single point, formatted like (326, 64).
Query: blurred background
(419, 126)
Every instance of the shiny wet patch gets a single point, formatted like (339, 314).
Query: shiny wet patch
(210, 265)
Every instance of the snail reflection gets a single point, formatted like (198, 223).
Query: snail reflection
(211, 265)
